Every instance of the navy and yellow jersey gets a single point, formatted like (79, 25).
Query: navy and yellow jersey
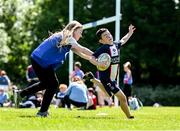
(49, 53)
(113, 50)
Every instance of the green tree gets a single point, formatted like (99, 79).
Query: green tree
(17, 18)
(155, 48)
(4, 49)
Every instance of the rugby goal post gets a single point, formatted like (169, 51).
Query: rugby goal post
(102, 21)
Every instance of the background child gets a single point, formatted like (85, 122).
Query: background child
(128, 80)
(77, 71)
(59, 102)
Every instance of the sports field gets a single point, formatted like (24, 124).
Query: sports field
(147, 118)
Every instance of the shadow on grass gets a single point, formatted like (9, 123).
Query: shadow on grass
(93, 117)
(77, 117)
(27, 116)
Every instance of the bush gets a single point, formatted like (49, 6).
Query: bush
(164, 95)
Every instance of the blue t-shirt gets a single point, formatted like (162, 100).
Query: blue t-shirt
(111, 73)
(3, 97)
(49, 53)
(79, 73)
(3, 80)
(60, 95)
(78, 92)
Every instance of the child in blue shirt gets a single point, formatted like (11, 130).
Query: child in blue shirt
(77, 93)
(3, 97)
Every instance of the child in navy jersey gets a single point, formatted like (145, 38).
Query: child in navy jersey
(109, 76)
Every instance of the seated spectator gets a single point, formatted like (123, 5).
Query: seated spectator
(77, 93)
(4, 81)
(33, 101)
(3, 97)
(91, 105)
(59, 102)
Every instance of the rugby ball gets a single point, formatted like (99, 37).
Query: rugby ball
(104, 58)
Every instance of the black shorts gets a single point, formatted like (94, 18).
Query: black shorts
(127, 90)
(111, 87)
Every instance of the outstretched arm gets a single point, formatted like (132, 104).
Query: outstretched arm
(82, 55)
(79, 48)
(128, 35)
(91, 58)
(84, 50)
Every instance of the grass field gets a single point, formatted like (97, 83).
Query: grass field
(147, 118)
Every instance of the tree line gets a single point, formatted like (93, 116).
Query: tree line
(153, 50)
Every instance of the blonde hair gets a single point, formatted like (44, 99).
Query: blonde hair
(69, 30)
(127, 64)
(73, 25)
(62, 86)
(77, 79)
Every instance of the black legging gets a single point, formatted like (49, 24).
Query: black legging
(48, 81)
(68, 102)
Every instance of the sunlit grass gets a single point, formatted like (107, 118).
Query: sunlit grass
(147, 118)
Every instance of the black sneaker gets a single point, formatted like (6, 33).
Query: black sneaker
(17, 97)
(131, 117)
(88, 76)
(42, 114)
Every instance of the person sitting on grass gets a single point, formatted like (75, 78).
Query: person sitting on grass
(3, 97)
(77, 92)
(59, 97)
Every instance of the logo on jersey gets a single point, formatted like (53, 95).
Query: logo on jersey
(114, 54)
(113, 51)
(115, 60)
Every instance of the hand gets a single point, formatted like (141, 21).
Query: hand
(131, 28)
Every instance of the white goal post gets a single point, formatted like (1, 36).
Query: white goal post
(115, 18)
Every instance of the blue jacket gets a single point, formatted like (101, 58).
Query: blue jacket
(77, 92)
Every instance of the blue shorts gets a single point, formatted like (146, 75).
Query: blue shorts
(110, 87)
